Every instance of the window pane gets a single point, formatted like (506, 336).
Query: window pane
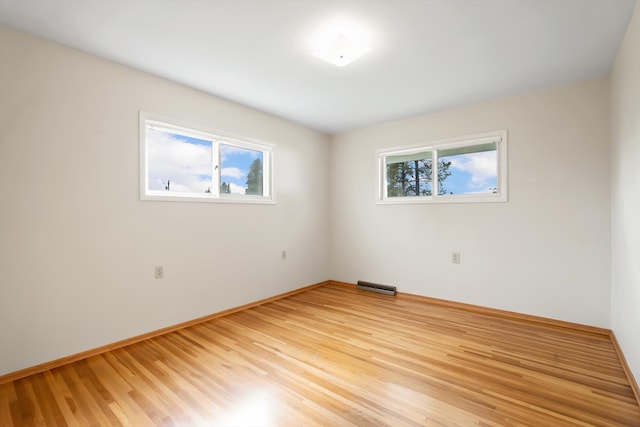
(409, 176)
(468, 170)
(178, 163)
(241, 170)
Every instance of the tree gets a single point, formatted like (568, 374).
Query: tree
(399, 176)
(414, 178)
(254, 178)
(443, 173)
(225, 188)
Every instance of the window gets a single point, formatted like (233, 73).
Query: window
(468, 169)
(179, 163)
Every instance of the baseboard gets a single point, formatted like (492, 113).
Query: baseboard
(496, 312)
(632, 380)
(13, 376)
(343, 284)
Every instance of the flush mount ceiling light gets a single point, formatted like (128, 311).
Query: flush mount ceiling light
(340, 42)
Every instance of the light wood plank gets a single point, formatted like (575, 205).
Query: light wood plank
(335, 355)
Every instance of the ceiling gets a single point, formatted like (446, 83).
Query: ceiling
(429, 55)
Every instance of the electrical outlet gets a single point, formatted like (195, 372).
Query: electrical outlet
(159, 272)
(455, 257)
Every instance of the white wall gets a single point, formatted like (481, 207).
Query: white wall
(78, 247)
(625, 236)
(545, 252)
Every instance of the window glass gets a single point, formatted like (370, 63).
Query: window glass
(468, 170)
(179, 163)
(241, 170)
(409, 175)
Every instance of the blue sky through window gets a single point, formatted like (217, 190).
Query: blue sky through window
(234, 164)
(472, 173)
(179, 163)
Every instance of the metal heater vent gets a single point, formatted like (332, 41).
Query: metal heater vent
(375, 287)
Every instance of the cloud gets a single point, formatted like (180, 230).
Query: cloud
(232, 173)
(482, 167)
(186, 165)
(237, 189)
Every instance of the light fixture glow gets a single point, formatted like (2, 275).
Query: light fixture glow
(340, 42)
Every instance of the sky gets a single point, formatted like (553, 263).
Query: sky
(187, 163)
(235, 163)
(472, 173)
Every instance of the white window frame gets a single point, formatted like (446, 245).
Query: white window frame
(150, 120)
(500, 137)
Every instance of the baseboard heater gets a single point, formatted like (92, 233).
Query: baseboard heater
(375, 287)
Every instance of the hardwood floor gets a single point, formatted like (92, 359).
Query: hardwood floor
(337, 356)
